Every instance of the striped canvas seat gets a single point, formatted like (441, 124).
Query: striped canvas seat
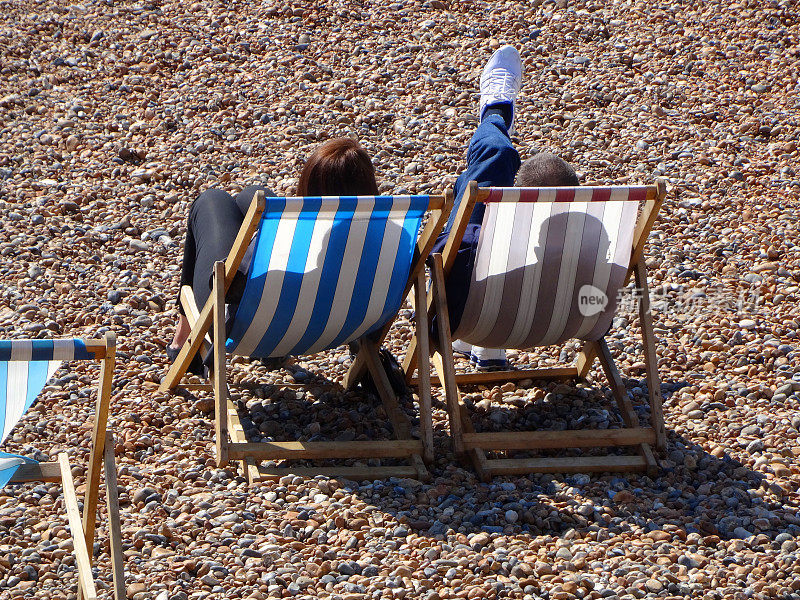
(548, 268)
(25, 367)
(325, 271)
(549, 265)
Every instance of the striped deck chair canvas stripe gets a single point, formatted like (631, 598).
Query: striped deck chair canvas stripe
(325, 271)
(25, 367)
(549, 265)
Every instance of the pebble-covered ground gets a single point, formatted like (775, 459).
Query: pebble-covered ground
(115, 115)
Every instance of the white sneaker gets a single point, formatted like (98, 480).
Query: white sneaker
(462, 348)
(501, 80)
(488, 359)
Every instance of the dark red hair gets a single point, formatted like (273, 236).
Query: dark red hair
(339, 167)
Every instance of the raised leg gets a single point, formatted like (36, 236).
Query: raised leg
(650, 358)
(220, 368)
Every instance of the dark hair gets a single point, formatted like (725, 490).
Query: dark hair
(546, 170)
(339, 167)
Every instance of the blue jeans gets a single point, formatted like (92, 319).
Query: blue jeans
(493, 162)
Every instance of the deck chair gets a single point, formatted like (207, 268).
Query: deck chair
(25, 367)
(325, 272)
(549, 265)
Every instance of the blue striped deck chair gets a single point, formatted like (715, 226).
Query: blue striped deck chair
(25, 367)
(325, 272)
(549, 265)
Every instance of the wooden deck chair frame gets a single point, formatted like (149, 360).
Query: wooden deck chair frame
(101, 458)
(231, 443)
(467, 441)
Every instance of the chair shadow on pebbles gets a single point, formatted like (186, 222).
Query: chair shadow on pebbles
(698, 498)
(297, 402)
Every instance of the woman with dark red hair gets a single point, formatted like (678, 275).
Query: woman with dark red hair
(339, 167)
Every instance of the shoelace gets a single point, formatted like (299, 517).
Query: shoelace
(498, 82)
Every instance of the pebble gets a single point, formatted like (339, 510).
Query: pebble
(116, 117)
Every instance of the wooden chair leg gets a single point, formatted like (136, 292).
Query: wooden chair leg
(410, 359)
(114, 526)
(86, 587)
(355, 372)
(424, 377)
(443, 358)
(629, 416)
(584, 360)
(387, 395)
(650, 358)
(238, 436)
(220, 369)
(91, 496)
(189, 304)
(477, 455)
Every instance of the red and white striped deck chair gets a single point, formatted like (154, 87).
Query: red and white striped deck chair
(549, 266)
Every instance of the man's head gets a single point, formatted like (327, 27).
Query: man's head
(546, 170)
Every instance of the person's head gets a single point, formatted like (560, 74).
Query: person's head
(338, 167)
(546, 170)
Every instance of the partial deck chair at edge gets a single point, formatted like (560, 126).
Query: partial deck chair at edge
(25, 367)
(548, 260)
(325, 272)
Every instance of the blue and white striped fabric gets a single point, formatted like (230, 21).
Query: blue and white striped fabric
(325, 271)
(25, 367)
(9, 463)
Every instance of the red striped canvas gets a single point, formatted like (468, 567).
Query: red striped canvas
(549, 265)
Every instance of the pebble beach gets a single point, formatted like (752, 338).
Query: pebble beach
(115, 115)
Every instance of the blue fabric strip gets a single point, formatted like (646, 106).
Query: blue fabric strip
(330, 274)
(42, 350)
(254, 287)
(37, 377)
(81, 353)
(292, 278)
(362, 288)
(7, 474)
(5, 350)
(402, 266)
